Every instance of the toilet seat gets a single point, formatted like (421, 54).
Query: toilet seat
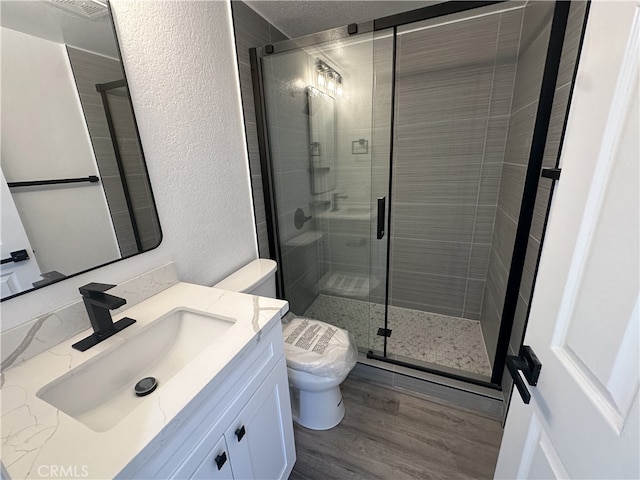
(318, 348)
(316, 400)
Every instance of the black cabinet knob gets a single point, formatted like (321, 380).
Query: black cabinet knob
(221, 460)
(240, 432)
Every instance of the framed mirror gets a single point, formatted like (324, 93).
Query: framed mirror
(75, 190)
(322, 141)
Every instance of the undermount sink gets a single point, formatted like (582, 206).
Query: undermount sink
(100, 392)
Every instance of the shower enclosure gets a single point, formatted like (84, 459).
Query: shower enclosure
(401, 161)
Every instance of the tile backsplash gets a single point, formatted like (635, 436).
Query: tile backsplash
(41, 333)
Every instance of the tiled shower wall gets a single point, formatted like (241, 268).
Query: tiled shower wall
(251, 30)
(531, 59)
(454, 89)
(285, 78)
(551, 152)
(535, 40)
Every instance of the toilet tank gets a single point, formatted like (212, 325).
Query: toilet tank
(256, 278)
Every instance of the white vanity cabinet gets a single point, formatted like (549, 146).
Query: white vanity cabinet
(237, 428)
(254, 445)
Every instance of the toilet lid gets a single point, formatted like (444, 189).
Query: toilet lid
(319, 348)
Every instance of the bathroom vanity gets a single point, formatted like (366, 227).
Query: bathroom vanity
(221, 408)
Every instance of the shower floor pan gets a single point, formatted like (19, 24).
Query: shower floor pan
(426, 337)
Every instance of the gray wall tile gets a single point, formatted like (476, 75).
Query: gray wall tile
(531, 61)
(520, 135)
(301, 294)
(511, 188)
(420, 182)
(509, 37)
(444, 223)
(497, 277)
(427, 290)
(448, 46)
(496, 139)
(571, 41)
(297, 262)
(502, 92)
(490, 324)
(489, 188)
(537, 18)
(540, 211)
(473, 299)
(443, 142)
(556, 122)
(484, 224)
(530, 262)
(519, 324)
(251, 30)
(503, 237)
(436, 96)
(263, 240)
(446, 258)
(479, 261)
(454, 93)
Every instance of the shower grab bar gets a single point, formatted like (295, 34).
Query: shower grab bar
(57, 181)
(381, 211)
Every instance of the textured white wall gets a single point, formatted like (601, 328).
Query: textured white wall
(182, 72)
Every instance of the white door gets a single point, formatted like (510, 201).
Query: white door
(14, 277)
(582, 421)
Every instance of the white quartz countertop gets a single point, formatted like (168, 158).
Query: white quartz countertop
(37, 437)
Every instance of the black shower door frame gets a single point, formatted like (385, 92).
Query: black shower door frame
(541, 126)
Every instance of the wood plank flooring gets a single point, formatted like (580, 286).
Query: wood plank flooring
(387, 434)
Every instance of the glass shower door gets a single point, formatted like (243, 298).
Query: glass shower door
(319, 114)
(453, 86)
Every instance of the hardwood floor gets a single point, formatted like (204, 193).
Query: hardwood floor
(390, 435)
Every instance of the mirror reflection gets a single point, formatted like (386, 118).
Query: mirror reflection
(75, 189)
(322, 141)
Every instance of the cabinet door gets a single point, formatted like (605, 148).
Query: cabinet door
(216, 465)
(260, 439)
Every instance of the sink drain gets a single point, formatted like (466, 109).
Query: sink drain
(145, 386)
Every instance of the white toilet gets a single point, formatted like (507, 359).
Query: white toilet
(316, 401)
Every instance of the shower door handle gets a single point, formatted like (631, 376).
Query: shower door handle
(381, 216)
(528, 363)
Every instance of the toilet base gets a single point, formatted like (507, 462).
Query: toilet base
(317, 410)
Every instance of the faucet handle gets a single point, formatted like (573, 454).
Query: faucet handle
(91, 289)
(94, 293)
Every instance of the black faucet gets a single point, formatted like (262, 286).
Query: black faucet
(98, 306)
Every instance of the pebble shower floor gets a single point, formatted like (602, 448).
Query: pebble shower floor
(428, 337)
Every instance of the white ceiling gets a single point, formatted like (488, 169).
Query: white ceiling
(296, 18)
(45, 20)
